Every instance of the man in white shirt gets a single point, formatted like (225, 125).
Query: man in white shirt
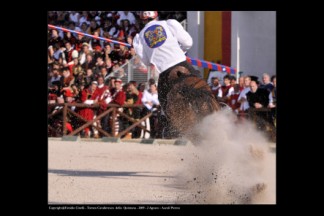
(126, 15)
(151, 102)
(150, 97)
(163, 44)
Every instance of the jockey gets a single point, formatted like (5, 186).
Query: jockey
(163, 44)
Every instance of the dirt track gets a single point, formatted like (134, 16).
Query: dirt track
(114, 173)
(95, 172)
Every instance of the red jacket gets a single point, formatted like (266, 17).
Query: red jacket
(119, 97)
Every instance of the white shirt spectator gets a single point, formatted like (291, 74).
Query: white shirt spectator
(245, 104)
(158, 44)
(149, 97)
(230, 92)
(130, 16)
(74, 17)
(53, 79)
(82, 20)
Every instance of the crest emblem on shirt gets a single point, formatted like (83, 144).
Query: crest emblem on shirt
(155, 36)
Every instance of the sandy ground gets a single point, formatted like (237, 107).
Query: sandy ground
(116, 173)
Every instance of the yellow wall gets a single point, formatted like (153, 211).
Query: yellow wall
(213, 37)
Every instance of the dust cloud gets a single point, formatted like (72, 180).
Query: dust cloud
(229, 164)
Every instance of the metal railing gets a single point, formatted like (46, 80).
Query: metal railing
(136, 70)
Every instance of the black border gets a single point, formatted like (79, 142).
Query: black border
(38, 170)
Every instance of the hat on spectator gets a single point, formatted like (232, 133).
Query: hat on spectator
(118, 80)
(85, 44)
(94, 82)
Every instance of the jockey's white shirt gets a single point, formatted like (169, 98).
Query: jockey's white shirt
(162, 43)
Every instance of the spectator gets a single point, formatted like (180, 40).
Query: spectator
(80, 39)
(232, 80)
(67, 79)
(242, 98)
(104, 73)
(95, 43)
(114, 54)
(227, 89)
(99, 64)
(85, 51)
(273, 100)
(55, 39)
(241, 83)
(109, 65)
(273, 92)
(89, 77)
(109, 30)
(129, 39)
(74, 17)
(56, 76)
(107, 50)
(94, 27)
(52, 17)
(215, 87)
(62, 17)
(118, 97)
(100, 89)
(84, 27)
(233, 99)
(89, 62)
(126, 15)
(88, 113)
(150, 97)
(69, 52)
(84, 19)
(259, 98)
(266, 82)
(152, 104)
(67, 36)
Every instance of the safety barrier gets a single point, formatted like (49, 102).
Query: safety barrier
(112, 109)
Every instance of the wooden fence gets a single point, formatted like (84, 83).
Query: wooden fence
(112, 109)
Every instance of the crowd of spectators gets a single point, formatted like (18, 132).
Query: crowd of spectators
(247, 93)
(80, 68)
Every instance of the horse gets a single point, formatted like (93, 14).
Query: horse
(189, 100)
